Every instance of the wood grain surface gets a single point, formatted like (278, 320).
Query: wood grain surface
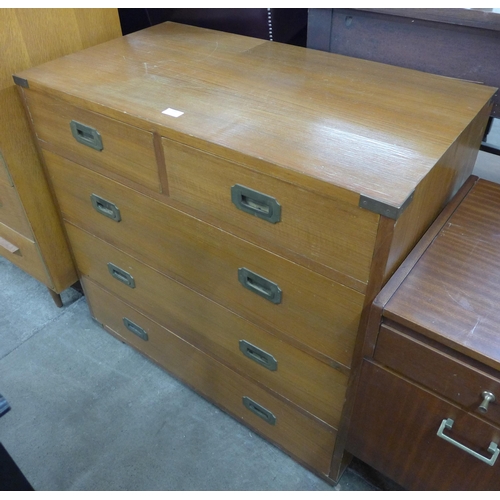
(452, 293)
(328, 121)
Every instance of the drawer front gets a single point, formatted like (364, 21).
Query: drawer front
(305, 381)
(304, 438)
(12, 212)
(331, 232)
(394, 429)
(126, 150)
(447, 376)
(312, 310)
(23, 253)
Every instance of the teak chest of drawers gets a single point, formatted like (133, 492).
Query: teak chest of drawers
(427, 412)
(233, 206)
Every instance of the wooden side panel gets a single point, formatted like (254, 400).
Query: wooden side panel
(12, 212)
(29, 37)
(435, 190)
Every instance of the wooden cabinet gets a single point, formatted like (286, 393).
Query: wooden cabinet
(233, 206)
(427, 409)
(31, 235)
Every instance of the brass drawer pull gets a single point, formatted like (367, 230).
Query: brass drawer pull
(121, 275)
(447, 423)
(86, 135)
(105, 207)
(258, 355)
(259, 285)
(488, 397)
(9, 246)
(259, 204)
(259, 410)
(135, 329)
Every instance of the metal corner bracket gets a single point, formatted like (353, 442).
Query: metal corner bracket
(379, 207)
(22, 82)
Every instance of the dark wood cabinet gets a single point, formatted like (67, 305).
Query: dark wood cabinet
(426, 411)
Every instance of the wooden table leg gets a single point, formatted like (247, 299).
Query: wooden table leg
(56, 298)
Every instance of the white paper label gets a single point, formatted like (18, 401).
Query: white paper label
(173, 112)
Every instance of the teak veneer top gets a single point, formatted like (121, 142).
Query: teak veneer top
(452, 295)
(328, 120)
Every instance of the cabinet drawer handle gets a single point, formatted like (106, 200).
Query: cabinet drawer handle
(259, 285)
(259, 410)
(258, 355)
(259, 204)
(105, 207)
(447, 423)
(9, 246)
(86, 135)
(488, 397)
(135, 329)
(121, 275)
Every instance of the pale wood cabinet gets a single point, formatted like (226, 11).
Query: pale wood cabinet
(234, 205)
(31, 234)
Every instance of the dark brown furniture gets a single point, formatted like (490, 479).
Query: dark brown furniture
(427, 410)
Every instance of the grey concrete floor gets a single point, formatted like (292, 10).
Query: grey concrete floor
(90, 413)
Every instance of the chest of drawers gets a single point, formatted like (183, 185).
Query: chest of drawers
(31, 235)
(233, 205)
(427, 410)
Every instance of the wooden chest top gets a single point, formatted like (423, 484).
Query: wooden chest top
(312, 118)
(452, 295)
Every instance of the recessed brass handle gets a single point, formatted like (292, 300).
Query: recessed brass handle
(121, 275)
(259, 204)
(447, 424)
(259, 285)
(86, 135)
(105, 207)
(488, 397)
(259, 410)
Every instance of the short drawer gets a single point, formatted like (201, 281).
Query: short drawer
(300, 378)
(22, 252)
(279, 295)
(304, 438)
(394, 428)
(448, 376)
(333, 232)
(95, 139)
(12, 212)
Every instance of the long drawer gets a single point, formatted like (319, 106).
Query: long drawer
(95, 139)
(303, 437)
(12, 212)
(275, 293)
(446, 375)
(335, 233)
(22, 252)
(307, 382)
(395, 427)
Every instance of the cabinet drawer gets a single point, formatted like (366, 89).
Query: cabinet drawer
(444, 374)
(307, 382)
(332, 232)
(125, 150)
(314, 311)
(394, 429)
(23, 253)
(12, 212)
(306, 439)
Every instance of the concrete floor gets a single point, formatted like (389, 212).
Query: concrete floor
(90, 413)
